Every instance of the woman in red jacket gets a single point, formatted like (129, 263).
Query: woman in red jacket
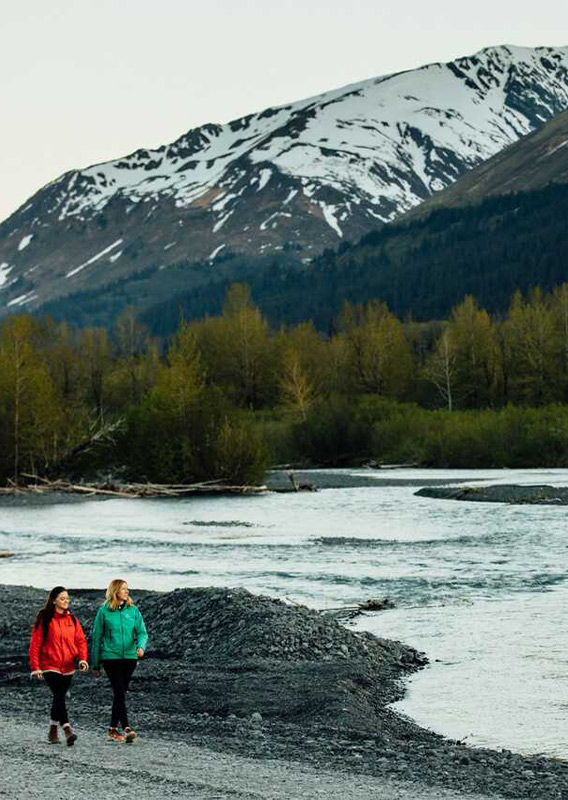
(58, 642)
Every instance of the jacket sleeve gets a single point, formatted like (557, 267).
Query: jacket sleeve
(80, 642)
(35, 646)
(97, 638)
(141, 632)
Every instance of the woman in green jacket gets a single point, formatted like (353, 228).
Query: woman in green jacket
(119, 639)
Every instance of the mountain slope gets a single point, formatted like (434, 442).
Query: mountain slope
(296, 178)
(533, 162)
(500, 227)
(422, 268)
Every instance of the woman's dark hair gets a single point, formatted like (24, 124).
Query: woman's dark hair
(45, 614)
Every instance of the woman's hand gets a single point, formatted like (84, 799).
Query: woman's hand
(97, 673)
(83, 666)
(140, 653)
(38, 675)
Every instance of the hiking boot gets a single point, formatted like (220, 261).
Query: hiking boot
(115, 736)
(129, 734)
(70, 737)
(52, 735)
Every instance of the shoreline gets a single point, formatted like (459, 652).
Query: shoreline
(247, 675)
(510, 493)
(276, 481)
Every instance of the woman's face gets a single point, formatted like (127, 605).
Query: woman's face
(122, 593)
(61, 602)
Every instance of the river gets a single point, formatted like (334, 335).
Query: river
(480, 587)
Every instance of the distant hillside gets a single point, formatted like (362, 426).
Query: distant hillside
(422, 268)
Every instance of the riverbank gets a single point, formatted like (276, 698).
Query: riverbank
(276, 480)
(279, 480)
(253, 677)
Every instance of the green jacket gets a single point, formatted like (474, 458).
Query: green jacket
(117, 634)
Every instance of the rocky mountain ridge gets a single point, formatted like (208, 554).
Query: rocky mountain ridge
(297, 178)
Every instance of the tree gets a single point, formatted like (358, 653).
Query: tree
(475, 349)
(134, 368)
(558, 303)
(530, 349)
(441, 370)
(378, 354)
(30, 417)
(238, 350)
(95, 365)
(297, 389)
(303, 364)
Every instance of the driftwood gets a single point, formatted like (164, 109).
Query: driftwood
(350, 612)
(379, 465)
(304, 486)
(130, 490)
(102, 437)
(6, 555)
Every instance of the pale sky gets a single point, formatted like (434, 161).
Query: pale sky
(84, 81)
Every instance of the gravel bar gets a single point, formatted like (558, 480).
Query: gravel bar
(514, 494)
(244, 696)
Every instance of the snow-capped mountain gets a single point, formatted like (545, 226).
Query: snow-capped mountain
(298, 177)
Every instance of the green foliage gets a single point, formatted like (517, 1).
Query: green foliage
(228, 395)
(162, 445)
(31, 422)
(394, 433)
(333, 433)
(241, 456)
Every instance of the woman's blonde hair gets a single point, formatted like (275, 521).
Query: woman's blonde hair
(111, 594)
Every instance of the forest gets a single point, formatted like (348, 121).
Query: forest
(420, 266)
(229, 395)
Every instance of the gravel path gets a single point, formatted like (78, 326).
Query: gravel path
(155, 769)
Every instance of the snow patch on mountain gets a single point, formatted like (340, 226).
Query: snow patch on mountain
(25, 241)
(557, 148)
(329, 216)
(22, 299)
(115, 257)
(93, 259)
(5, 270)
(215, 252)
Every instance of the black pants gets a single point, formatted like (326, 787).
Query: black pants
(59, 685)
(119, 671)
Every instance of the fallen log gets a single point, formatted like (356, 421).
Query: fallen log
(138, 490)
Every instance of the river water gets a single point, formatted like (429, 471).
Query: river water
(482, 588)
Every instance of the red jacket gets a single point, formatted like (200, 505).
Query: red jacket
(64, 645)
